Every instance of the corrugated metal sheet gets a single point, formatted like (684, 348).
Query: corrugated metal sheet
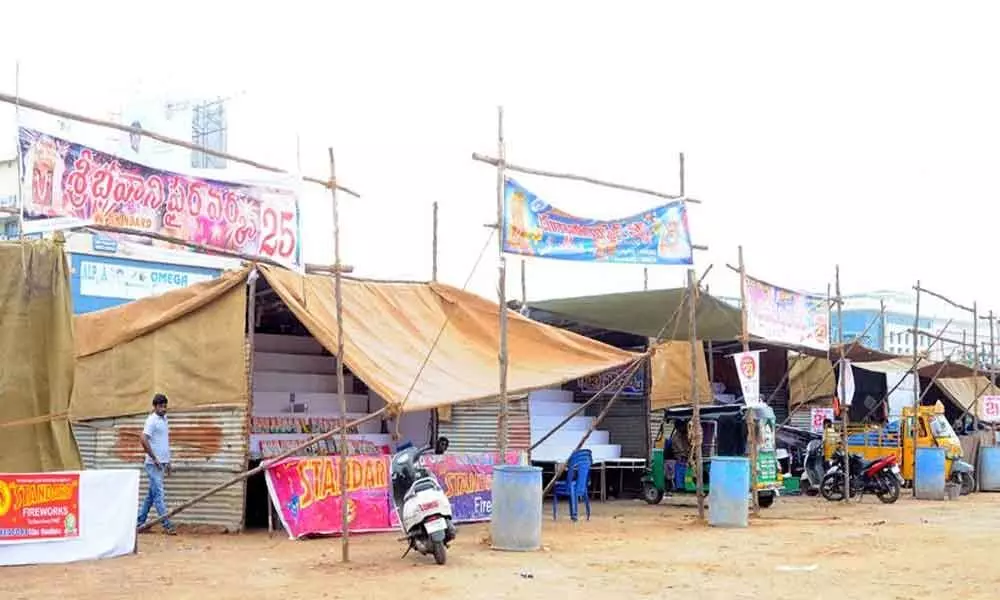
(802, 418)
(625, 423)
(473, 426)
(778, 401)
(207, 448)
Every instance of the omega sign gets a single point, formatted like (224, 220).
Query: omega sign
(107, 280)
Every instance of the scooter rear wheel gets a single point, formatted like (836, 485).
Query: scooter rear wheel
(892, 489)
(440, 553)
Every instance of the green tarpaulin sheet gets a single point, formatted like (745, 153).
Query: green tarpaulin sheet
(645, 313)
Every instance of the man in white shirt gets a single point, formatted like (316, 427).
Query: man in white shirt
(156, 442)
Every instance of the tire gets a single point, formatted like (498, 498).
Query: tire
(890, 496)
(832, 486)
(440, 553)
(968, 483)
(766, 499)
(650, 493)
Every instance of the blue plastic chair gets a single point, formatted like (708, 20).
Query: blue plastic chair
(576, 485)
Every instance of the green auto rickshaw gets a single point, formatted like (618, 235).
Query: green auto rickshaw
(724, 433)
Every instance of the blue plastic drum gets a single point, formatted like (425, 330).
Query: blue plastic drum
(989, 469)
(516, 522)
(729, 492)
(929, 476)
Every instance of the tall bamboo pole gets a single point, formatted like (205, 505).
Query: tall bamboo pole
(345, 552)
(502, 422)
(842, 388)
(975, 357)
(915, 419)
(524, 284)
(645, 279)
(434, 244)
(751, 416)
(695, 400)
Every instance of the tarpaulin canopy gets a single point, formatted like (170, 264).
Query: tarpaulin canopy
(390, 329)
(809, 378)
(190, 344)
(645, 313)
(670, 372)
(968, 392)
(36, 359)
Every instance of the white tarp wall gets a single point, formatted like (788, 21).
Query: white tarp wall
(902, 395)
(108, 513)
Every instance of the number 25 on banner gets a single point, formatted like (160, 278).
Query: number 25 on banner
(279, 233)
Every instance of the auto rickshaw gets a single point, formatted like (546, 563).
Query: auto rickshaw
(724, 433)
(875, 441)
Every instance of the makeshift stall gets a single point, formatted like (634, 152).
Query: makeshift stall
(236, 398)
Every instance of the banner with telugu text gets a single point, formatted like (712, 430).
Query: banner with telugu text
(532, 227)
(306, 491)
(779, 315)
(73, 185)
(37, 507)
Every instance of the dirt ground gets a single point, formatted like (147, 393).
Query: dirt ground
(802, 547)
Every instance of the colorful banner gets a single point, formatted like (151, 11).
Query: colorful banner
(468, 481)
(39, 506)
(532, 227)
(77, 185)
(307, 494)
(748, 368)
(779, 315)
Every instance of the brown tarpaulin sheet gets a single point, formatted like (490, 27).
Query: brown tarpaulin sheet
(670, 371)
(188, 344)
(391, 327)
(968, 392)
(809, 378)
(36, 359)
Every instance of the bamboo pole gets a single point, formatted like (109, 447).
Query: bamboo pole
(502, 421)
(751, 417)
(695, 400)
(496, 162)
(941, 297)
(975, 355)
(914, 423)
(345, 451)
(711, 365)
(845, 403)
(645, 279)
(29, 104)
(434, 245)
(207, 249)
(262, 466)
(524, 284)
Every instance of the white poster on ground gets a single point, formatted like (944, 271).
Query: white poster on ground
(748, 368)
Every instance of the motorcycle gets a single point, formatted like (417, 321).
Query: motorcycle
(421, 504)
(880, 477)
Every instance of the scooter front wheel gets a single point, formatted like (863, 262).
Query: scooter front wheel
(440, 553)
(832, 487)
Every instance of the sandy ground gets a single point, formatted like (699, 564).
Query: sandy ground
(801, 548)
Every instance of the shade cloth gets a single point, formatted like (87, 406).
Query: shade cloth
(670, 371)
(36, 359)
(190, 344)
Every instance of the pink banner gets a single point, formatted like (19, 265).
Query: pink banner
(307, 493)
(306, 490)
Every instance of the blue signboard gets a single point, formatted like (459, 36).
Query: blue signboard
(99, 282)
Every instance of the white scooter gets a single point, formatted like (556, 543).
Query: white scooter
(422, 506)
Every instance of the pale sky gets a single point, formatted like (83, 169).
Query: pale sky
(859, 133)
